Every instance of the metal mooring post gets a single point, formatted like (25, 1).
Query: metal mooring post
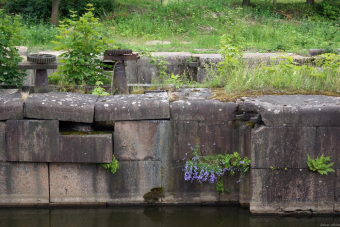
(40, 62)
(118, 56)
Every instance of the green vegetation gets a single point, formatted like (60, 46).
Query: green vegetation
(98, 90)
(9, 57)
(212, 168)
(111, 167)
(320, 164)
(82, 39)
(198, 25)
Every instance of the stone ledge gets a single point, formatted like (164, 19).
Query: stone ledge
(61, 106)
(152, 106)
(295, 110)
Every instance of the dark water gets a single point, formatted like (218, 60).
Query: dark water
(174, 216)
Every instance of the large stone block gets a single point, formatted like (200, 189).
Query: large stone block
(142, 140)
(3, 156)
(84, 149)
(31, 140)
(23, 183)
(337, 191)
(77, 183)
(185, 136)
(216, 137)
(202, 110)
(292, 190)
(282, 147)
(327, 143)
(11, 106)
(152, 106)
(90, 183)
(133, 180)
(61, 106)
(295, 110)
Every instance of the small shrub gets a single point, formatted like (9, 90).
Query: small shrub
(83, 39)
(111, 167)
(98, 90)
(9, 58)
(320, 164)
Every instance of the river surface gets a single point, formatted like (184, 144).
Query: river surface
(174, 216)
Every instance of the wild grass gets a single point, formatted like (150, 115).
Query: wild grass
(286, 77)
(198, 25)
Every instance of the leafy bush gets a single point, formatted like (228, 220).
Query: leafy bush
(212, 168)
(83, 39)
(9, 57)
(331, 9)
(320, 164)
(41, 9)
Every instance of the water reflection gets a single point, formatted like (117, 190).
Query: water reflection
(169, 216)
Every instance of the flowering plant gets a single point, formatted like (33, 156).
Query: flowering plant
(212, 168)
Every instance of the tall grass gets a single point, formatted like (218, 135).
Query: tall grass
(193, 25)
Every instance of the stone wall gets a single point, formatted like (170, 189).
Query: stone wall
(44, 162)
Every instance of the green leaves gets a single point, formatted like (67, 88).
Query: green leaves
(9, 58)
(98, 90)
(111, 167)
(84, 39)
(320, 164)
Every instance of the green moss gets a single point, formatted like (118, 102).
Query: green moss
(81, 133)
(154, 195)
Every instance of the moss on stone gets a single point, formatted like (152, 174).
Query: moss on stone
(154, 195)
(81, 133)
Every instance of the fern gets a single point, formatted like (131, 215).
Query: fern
(320, 164)
(111, 167)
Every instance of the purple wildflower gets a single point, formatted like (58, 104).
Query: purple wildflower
(241, 162)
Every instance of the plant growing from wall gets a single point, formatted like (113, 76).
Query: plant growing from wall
(9, 57)
(212, 168)
(320, 164)
(98, 90)
(83, 38)
(111, 167)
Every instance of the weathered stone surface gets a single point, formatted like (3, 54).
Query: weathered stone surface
(216, 137)
(327, 143)
(295, 110)
(61, 106)
(280, 191)
(3, 155)
(244, 140)
(202, 110)
(11, 106)
(282, 147)
(84, 149)
(133, 180)
(89, 183)
(193, 93)
(185, 136)
(152, 106)
(23, 183)
(141, 140)
(78, 183)
(337, 191)
(31, 140)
